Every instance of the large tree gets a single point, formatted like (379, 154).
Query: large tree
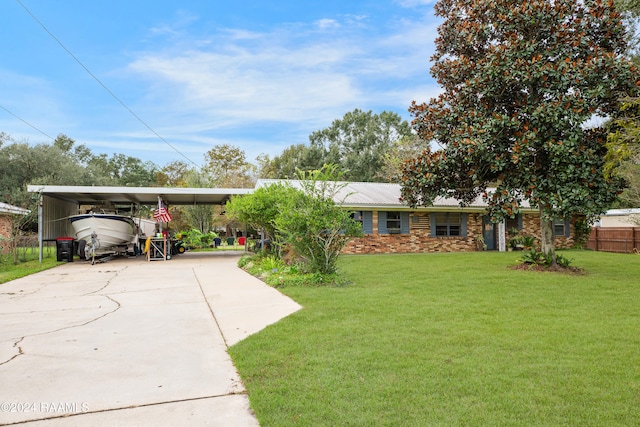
(623, 158)
(524, 83)
(358, 142)
(228, 167)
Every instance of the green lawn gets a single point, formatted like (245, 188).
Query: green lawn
(454, 339)
(27, 263)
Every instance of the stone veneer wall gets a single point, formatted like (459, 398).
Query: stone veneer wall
(419, 239)
(5, 232)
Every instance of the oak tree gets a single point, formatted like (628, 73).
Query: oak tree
(524, 84)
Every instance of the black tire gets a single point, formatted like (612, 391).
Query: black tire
(81, 246)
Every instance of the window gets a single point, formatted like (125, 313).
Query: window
(513, 223)
(393, 222)
(357, 216)
(365, 218)
(448, 224)
(560, 227)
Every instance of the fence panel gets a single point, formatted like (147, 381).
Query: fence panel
(615, 239)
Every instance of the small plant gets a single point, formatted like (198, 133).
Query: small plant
(528, 242)
(535, 257)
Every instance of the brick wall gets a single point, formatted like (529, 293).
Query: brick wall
(5, 232)
(531, 227)
(419, 240)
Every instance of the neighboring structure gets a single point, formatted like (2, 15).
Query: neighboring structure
(620, 218)
(392, 227)
(6, 220)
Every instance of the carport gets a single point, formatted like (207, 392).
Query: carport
(58, 202)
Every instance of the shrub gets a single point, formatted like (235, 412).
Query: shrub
(536, 257)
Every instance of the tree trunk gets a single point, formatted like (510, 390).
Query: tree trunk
(547, 238)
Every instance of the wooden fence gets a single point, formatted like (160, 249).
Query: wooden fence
(615, 239)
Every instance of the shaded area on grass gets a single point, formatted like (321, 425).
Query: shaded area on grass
(453, 339)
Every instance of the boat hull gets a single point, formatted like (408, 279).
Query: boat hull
(111, 231)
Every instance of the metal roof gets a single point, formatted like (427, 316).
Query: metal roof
(383, 195)
(622, 212)
(138, 195)
(10, 209)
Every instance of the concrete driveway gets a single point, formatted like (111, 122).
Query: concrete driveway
(131, 342)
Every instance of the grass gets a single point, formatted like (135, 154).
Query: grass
(454, 339)
(28, 263)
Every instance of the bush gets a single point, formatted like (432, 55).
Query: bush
(536, 257)
(275, 272)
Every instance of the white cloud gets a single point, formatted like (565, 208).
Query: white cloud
(327, 23)
(285, 83)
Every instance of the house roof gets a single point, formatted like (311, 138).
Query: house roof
(622, 212)
(10, 209)
(140, 195)
(382, 195)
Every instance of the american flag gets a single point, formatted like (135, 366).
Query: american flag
(161, 214)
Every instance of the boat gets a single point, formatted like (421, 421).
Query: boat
(104, 233)
(146, 227)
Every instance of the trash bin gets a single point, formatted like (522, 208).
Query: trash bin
(64, 249)
(230, 241)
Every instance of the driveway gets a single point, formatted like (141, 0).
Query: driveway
(131, 342)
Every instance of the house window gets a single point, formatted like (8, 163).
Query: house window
(357, 216)
(448, 224)
(560, 227)
(513, 224)
(365, 218)
(393, 222)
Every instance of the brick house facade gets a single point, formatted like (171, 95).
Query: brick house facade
(392, 227)
(419, 237)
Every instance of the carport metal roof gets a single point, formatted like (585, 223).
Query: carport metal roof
(140, 195)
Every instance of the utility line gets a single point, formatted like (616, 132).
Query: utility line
(26, 122)
(113, 95)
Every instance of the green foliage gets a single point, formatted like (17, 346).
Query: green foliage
(623, 155)
(228, 167)
(582, 233)
(261, 208)
(521, 80)
(275, 272)
(536, 257)
(313, 224)
(358, 143)
(308, 220)
(26, 262)
(196, 239)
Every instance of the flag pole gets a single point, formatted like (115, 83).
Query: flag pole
(160, 207)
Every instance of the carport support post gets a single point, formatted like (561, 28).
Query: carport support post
(40, 231)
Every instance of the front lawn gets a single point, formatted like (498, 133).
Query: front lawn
(454, 339)
(27, 263)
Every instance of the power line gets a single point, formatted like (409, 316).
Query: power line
(113, 95)
(26, 123)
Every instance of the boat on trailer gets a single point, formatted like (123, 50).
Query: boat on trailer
(102, 233)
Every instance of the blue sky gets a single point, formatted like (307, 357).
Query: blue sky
(254, 74)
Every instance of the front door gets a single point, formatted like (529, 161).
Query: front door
(489, 233)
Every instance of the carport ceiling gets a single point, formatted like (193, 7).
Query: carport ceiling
(88, 195)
